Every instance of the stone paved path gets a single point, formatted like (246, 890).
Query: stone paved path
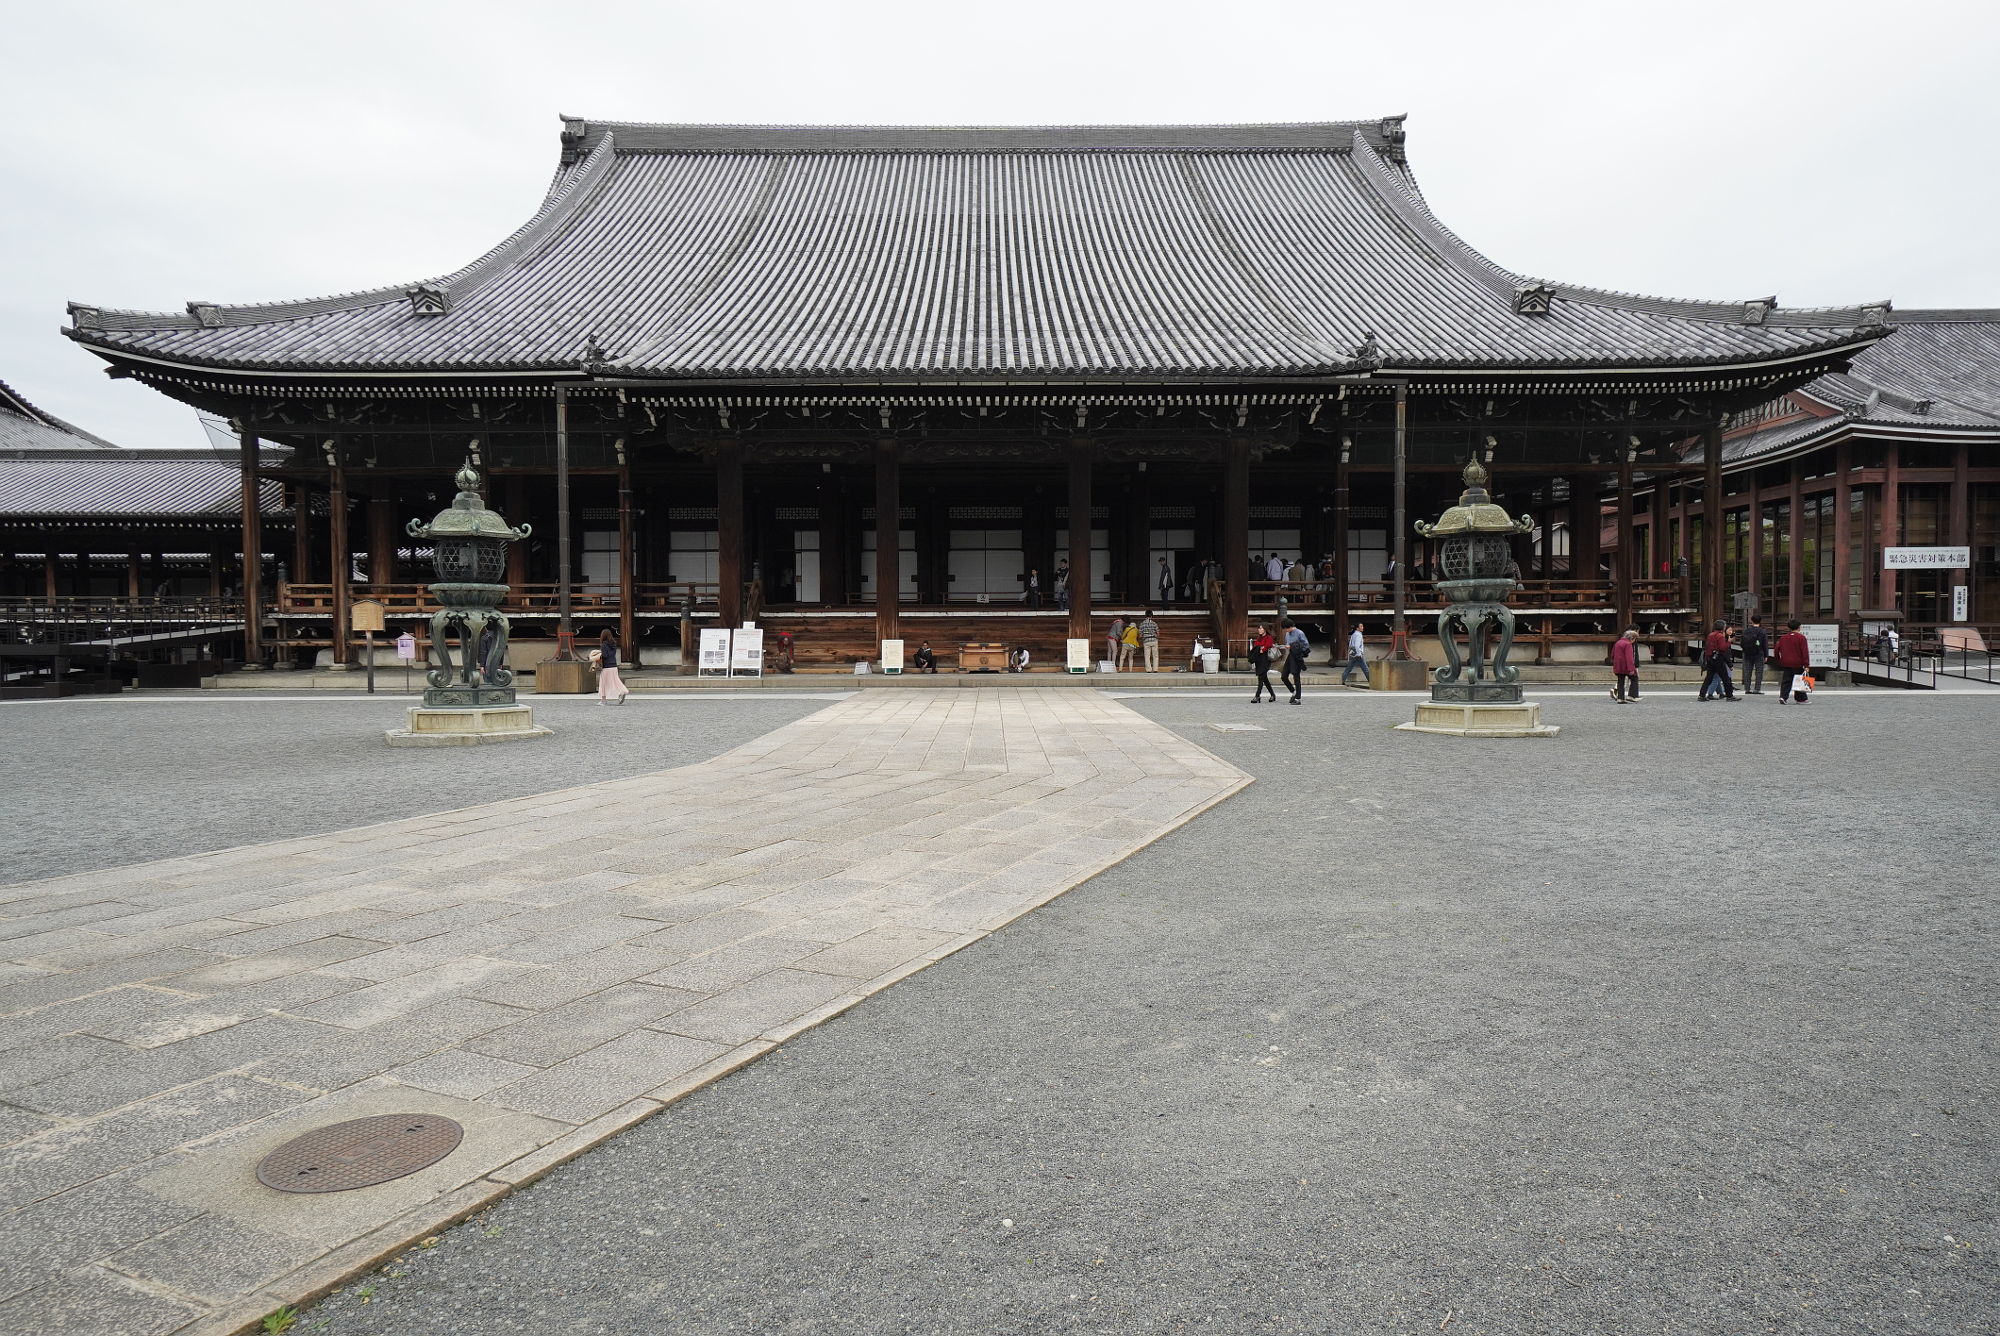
(546, 970)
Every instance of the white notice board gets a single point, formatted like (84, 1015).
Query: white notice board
(1822, 643)
(892, 656)
(1926, 558)
(406, 647)
(1079, 656)
(746, 652)
(714, 661)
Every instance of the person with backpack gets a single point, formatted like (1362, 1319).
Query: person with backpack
(1296, 648)
(1793, 655)
(1755, 642)
(1718, 684)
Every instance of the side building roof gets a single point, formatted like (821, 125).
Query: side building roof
(774, 253)
(26, 429)
(1936, 376)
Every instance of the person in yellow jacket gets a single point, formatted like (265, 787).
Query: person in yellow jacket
(1128, 645)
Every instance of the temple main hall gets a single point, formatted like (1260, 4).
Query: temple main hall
(1087, 371)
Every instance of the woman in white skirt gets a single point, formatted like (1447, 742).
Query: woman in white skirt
(611, 689)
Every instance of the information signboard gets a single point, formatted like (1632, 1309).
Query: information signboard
(714, 661)
(1822, 643)
(1926, 558)
(746, 652)
(892, 656)
(1961, 602)
(1079, 656)
(406, 647)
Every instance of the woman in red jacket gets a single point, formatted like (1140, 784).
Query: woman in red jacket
(1625, 663)
(1793, 656)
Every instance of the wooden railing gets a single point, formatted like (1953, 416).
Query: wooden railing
(539, 599)
(109, 607)
(1305, 594)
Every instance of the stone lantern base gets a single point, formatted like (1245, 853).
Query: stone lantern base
(465, 728)
(1470, 717)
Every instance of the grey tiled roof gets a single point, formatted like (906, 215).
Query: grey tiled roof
(25, 428)
(126, 483)
(865, 252)
(1936, 371)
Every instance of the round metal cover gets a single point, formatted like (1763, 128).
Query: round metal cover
(359, 1154)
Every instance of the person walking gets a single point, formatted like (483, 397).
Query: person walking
(609, 684)
(1718, 684)
(1062, 586)
(1149, 641)
(1128, 645)
(1356, 663)
(1793, 655)
(1262, 646)
(1274, 569)
(1296, 648)
(1625, 667)
(1112, 639)
(1163, 580)
(1755, 642)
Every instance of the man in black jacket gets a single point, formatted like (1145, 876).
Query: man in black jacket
(1755, 642)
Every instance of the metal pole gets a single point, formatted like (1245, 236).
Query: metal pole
(1399, 640)
(370, 637)
(565, 637)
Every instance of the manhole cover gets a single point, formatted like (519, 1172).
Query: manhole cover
(1237, 728)
(359, 1154)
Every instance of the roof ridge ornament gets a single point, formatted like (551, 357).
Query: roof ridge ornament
(1393, 136)
(596, 359)
(1367, 355)
(206, 314)
(1534, 298)
(1755, 313)
(1875, 317)
(428, 298)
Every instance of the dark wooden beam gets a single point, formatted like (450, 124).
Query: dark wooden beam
(1080, 452)
(729, 532)
(1236, 546)
(888, 540)
(253, 553)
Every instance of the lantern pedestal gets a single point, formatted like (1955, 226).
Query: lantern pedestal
(1480, 710)
(467, 726)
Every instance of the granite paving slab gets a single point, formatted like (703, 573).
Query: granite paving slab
(548, 969)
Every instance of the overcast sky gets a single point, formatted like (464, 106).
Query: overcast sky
(1832, 153)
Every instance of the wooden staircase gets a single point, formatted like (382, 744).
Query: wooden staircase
(835, 641)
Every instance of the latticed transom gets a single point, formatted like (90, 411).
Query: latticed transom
(471, 560)
(1476, 557)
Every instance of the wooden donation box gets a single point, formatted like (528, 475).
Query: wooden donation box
(982, 658)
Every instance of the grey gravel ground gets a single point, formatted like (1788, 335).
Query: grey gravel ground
(103, 781)
(1682, 1024)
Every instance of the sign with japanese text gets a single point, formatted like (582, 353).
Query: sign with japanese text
(1926, 558)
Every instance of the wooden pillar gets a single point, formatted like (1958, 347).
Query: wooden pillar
(1658, 563)
(517, 553)
(1843, 530)
(1890, 508)
(339, 561)
(1754, 520)
(627, 590)
(1341, 499)
(252, 505)
(1959, 534)
(132, 590)
(302, 562)
(1712, 599)
(1795, 567)
(1626, 560)
(1138, 556)
(50, 587)
(888, 540)
(1079, 539)
(835, 533)
(729, 531)
(381, 540)
(1586, 526)
(1235, 628)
